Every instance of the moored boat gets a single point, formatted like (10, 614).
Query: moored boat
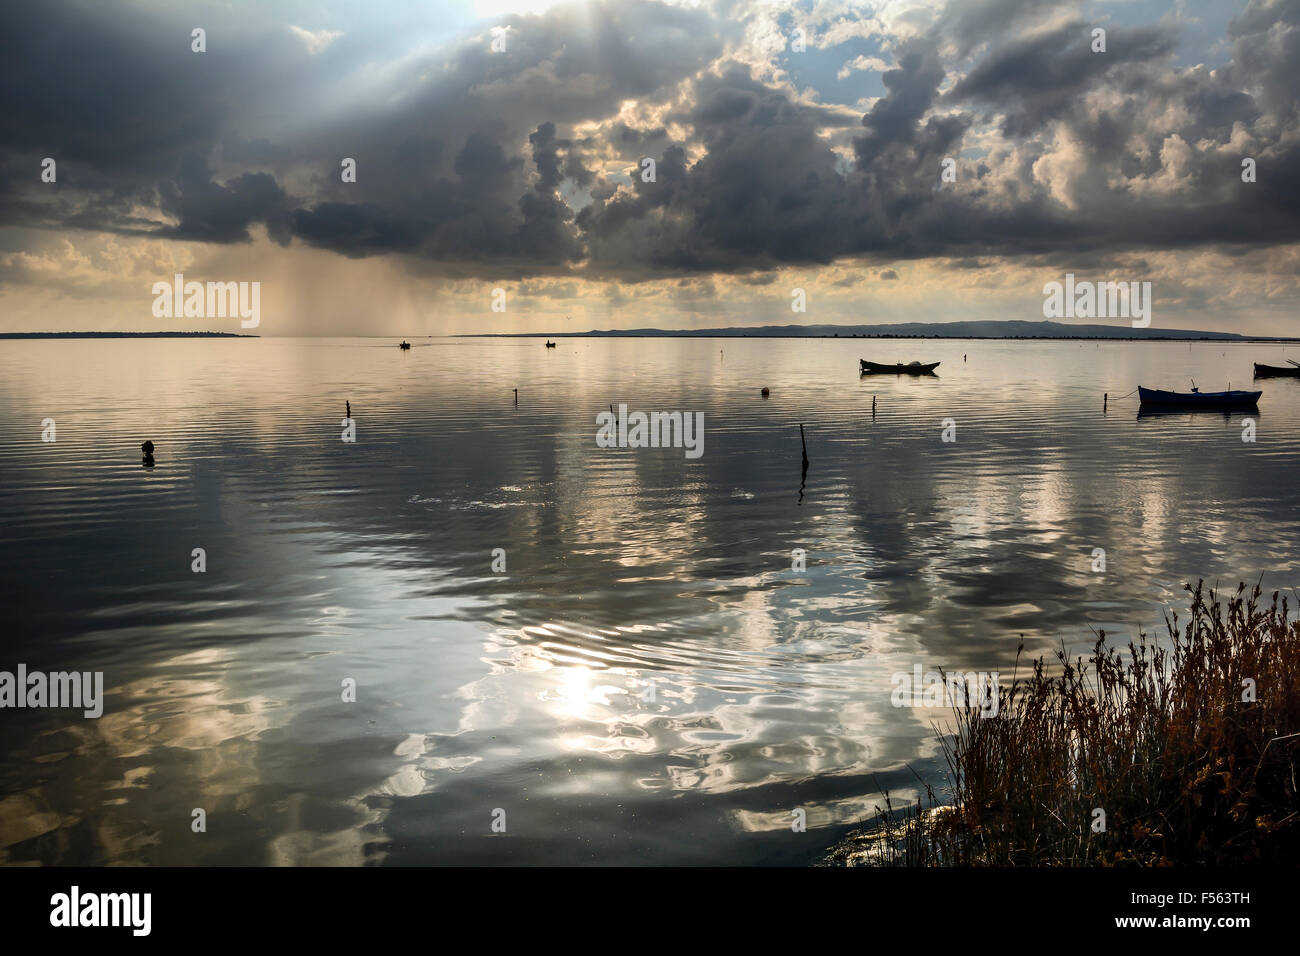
(404, 346)
(1158, 398)
(912, 368)
(550, 345)
(1276, 371)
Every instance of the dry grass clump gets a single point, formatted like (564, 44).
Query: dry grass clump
(1188, 749)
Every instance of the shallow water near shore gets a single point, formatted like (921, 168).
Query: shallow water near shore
(648, 681)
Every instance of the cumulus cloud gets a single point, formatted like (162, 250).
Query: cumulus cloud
(528, 162)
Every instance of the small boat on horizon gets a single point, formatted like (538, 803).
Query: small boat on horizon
(1158, 398)
(911, 368)
(404, 345)
(550, 345)
(1277, 371)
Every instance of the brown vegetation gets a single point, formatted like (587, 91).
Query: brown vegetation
(1189, 747)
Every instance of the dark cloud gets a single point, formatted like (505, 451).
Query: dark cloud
(209, 212)
(769, 190)
(1033, 80)
(137, 120)
(764, 192)
(1265, 50)
(464, 156)
(894, 121)
(972, 23)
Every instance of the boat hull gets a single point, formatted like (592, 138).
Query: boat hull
(875, 368)
(1276, 371)
(1156, 398)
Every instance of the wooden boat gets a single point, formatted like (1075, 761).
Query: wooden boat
(404, 345)
(550, 345)
(1276, 371)
(1156, 398)
(912, 368)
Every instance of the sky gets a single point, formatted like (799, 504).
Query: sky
(501, 145)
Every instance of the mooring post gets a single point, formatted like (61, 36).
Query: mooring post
(803, 474)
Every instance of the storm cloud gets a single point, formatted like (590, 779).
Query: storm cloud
(528, 162)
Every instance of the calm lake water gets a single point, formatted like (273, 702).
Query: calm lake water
(649, 681)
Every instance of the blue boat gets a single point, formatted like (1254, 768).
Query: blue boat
(1154, 397)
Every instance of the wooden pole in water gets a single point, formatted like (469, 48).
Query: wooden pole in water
(803, 474)
(1105, 400)
(873, 408)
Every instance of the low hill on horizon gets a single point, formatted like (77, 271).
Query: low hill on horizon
(972, 329)
(126, 335)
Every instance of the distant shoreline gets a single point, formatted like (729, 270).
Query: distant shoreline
(1217, 338)
(1221, 338)
(1001, 329)
(125, 335)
